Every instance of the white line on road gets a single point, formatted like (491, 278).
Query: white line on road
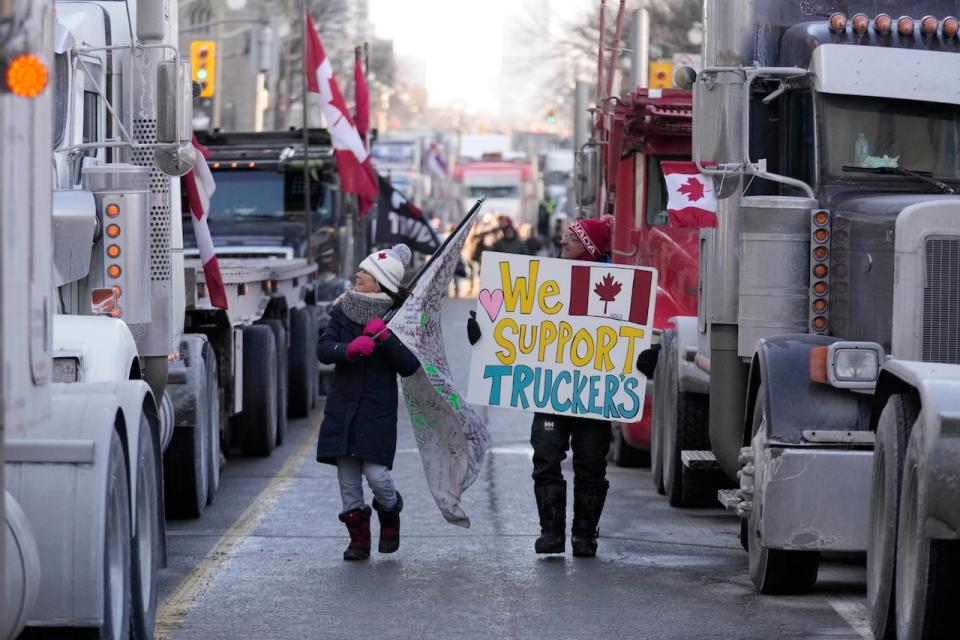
(854, 612)
(175, 608)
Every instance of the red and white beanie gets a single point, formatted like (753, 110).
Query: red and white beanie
(594, 234)
(387, 266)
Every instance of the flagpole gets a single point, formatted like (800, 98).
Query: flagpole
(466, 219)
(306, 142)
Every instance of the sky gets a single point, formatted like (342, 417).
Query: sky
(461, 44)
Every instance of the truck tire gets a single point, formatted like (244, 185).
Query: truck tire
(215, 413)
(147, 552)
(893, 431)
(117, 587)
(622, 453)
(686, 414)
(258, 420)
(186, 461)
(283, 375)
(773, 571)
(661, 375)
(303, 350)
(927, 589)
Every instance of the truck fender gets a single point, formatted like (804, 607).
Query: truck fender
(72, 450)
(692, 378)
(936, 433)
(793, 402)
(104, 346)
(184, 384)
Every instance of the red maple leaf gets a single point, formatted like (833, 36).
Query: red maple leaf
(382, 255)
(608, 290)
(692, 188)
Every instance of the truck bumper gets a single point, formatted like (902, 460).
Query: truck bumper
(816, 499)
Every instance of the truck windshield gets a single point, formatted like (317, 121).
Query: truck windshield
(884, 133)
(247, 194)
(495, 192)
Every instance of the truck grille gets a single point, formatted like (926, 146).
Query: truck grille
(940, 341)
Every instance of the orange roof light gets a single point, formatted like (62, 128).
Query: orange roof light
(113, 210)
(113, 251)
(950, 27)
(860, 23)
(113, 230)
(905, 26)
(838, 22)
(928, 26)
(26, 76)
(883, 23)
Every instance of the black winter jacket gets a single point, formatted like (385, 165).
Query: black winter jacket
(360, 416)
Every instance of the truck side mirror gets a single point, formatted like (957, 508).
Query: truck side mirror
(174, 154)
(588, 175)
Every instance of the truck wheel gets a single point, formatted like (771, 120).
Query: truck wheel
(117, 591)
(893, 430)
(927, 589)
(773, 571)
(282, 380)
(186, 460)
(215, 421)
(303, 349)
(661, 375)
(147, 543)
(258, 430)
(623, 454)
(683, 430)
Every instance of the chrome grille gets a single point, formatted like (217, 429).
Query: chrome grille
(160, 269)
(940, 341)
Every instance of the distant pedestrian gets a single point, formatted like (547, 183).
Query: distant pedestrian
(553, 435)
(359, 429)
(509, 241)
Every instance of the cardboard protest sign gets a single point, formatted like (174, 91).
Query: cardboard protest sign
(562, 336)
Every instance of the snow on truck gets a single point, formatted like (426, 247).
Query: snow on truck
(827, 317)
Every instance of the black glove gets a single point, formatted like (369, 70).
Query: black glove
(473, 329)
(647, 360)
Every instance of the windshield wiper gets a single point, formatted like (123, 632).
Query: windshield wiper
(924, 176)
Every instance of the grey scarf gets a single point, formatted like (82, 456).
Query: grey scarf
(361, 307)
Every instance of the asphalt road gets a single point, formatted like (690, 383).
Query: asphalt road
(265, 559)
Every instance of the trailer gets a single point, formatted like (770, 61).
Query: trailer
(828, 294)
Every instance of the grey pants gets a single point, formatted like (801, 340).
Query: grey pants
(351, 471)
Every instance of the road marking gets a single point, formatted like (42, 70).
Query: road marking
(174, 610)
(854, 611)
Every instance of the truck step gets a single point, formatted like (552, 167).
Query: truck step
(729, 498)
(699, 460)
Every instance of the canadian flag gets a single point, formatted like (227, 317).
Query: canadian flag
(609, 292)
(692, 202)
(353, 159)
(200, 187)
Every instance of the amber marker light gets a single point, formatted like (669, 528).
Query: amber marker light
(820, 235)
(883, 23)
(251, 165)
(216, 165)
(819, 323)
(114, 271)
(820, 253)
(950, 27)
(928, 26)
(818, 361)
(820, 218)
(838, 22)
(820, 271)
(113, 210)
(820, 288)
(860, 23)
(26, 76)
(905, 26)
(819, 306)
(113, 251)
(113, 230)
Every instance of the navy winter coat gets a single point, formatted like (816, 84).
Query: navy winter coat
(360, 416)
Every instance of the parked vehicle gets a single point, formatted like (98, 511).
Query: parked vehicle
(827, 318)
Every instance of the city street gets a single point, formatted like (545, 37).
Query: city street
(265, 559)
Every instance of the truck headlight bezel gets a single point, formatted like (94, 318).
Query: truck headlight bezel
(854, 365)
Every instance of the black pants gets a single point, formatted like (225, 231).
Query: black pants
(551, 437)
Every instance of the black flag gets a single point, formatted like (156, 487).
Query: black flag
(399, 220)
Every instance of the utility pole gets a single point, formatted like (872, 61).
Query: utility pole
(306, 140)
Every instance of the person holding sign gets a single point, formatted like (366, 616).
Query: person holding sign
(359, 429)
(553, 434)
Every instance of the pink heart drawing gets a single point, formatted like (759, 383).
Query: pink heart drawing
(491, 301)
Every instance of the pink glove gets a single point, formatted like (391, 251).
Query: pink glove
(360, 347)
(375, 326)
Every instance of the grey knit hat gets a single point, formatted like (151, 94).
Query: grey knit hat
(387, 266)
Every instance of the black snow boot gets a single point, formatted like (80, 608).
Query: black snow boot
(389, 525)
(358, 524)
(552, 505)
(587, 507)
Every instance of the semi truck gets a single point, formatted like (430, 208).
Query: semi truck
(81, 541)
(828, 293)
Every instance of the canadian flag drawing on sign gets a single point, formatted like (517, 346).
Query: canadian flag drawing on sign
(692, 202)
(605, 291)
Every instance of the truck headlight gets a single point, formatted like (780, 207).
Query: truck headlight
(854, 365)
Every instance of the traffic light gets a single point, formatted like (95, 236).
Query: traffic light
(203, 61)
(661, 75)
(551, 116)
